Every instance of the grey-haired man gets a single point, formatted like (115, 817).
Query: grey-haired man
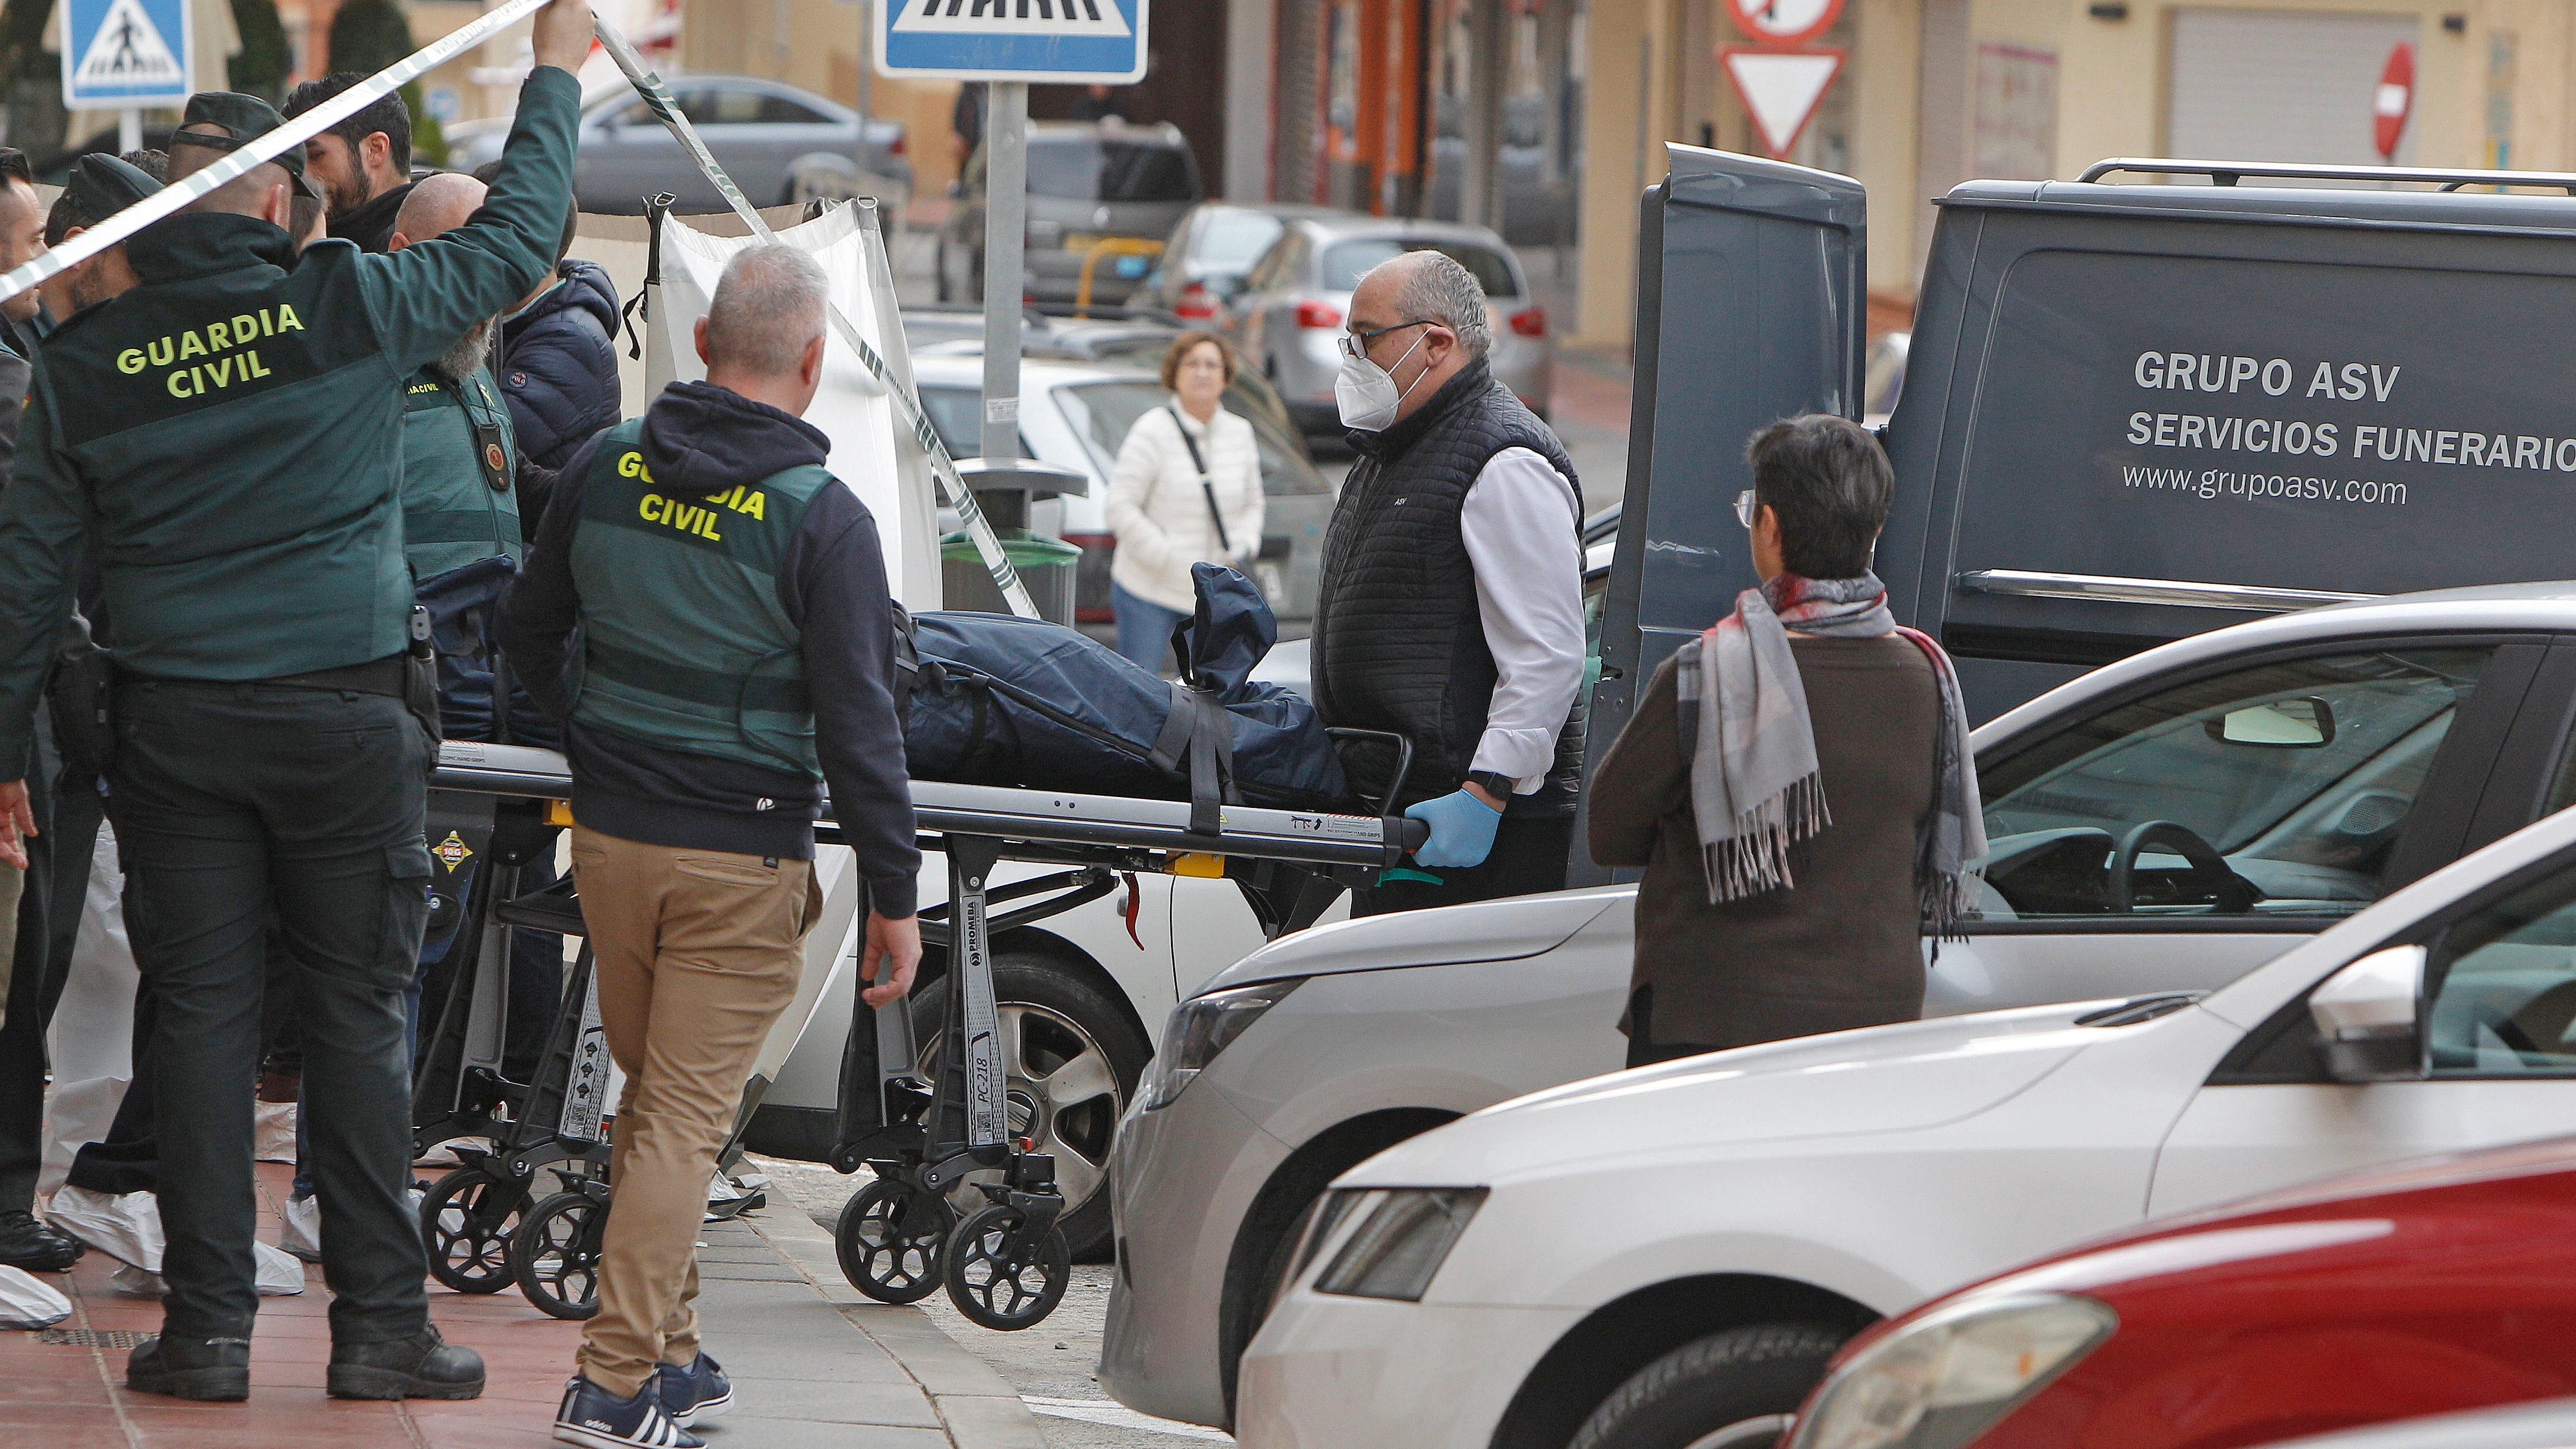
(1451, 608)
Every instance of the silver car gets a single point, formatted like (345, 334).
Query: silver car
(1215, 246)
(761, 131)
(2435, 731)
(1101, 193)
(1298, 296)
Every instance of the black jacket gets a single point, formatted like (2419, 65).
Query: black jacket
(701, 439)
(371, 226)
(558, 366)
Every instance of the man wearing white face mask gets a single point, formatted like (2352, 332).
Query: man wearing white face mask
(1451, 609)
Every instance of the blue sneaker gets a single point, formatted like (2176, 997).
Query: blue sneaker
(598, 1419)
(697, 1390)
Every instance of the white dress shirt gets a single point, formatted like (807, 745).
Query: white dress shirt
(1524, 534)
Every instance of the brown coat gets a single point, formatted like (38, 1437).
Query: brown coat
(1842, 947)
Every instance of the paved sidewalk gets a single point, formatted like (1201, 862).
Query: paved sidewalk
(813, 1364)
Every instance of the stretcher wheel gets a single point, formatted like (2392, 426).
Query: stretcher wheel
(994, 1288)
(889, 1240)
(555, 1254)
(466, 1222)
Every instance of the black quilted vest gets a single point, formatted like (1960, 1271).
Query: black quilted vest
(1399, 643)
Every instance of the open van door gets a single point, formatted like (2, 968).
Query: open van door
(1752, 298)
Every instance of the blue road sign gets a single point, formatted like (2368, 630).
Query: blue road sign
(1011, 40)
(124, 54)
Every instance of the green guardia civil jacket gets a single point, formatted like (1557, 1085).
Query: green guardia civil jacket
(686, 644)
(458, 457)
(227, 435)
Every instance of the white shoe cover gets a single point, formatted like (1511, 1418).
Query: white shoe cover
(28, 1304)
(299, 1229)
(125, 1227)
(276, 1276)
(273, 1132)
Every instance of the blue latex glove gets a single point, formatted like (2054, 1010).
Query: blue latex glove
(1462, 831)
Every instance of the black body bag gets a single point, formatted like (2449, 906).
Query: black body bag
(990, 699)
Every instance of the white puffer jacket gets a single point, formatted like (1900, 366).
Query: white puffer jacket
(1160, 513)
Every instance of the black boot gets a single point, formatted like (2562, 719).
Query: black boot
(419, 1367)
(213, 1369)
(34, 1246)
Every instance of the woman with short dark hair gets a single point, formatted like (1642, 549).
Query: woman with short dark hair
(1796, 781)
(1186, 489)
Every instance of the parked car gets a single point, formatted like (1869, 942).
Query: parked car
(2146, 839)
(760, 131)
(2371, 1296)
(2549, 1424)
(1209, 253)
(1535, 1256)
(1297, 298)
(1095, 402)
(1090, 182)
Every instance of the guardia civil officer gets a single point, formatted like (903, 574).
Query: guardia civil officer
(737, 649)
(226, 436)
(461, 541)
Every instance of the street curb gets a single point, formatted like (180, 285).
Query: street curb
(980, 1410)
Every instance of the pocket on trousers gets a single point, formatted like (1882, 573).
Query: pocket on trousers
(723, 870)
(407, 883)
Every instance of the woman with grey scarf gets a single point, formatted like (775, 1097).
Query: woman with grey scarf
(1796, 781)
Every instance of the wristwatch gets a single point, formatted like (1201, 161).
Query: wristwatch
(1495, 782)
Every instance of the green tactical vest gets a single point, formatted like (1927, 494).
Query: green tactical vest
(452, 515)
(685, 644)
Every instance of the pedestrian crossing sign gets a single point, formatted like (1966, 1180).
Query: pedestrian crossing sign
(1077, 41)
(124, 54)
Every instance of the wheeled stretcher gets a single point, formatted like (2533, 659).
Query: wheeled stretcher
(934, 1129)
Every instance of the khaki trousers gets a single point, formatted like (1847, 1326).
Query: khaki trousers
(698, 953)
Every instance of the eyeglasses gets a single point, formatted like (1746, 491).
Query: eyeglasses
(1744, 508)
(1355, 344)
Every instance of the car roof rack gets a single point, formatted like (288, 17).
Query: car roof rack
(2227, 173)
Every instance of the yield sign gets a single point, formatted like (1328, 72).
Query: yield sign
(1780, 88)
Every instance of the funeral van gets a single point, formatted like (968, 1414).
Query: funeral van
(2162, 398)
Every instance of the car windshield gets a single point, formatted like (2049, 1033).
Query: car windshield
(1233, 240)
(1103, 412)
(955, 416)
(1346, 262)
(1085, 168)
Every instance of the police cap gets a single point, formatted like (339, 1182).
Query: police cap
(101, 185)
(242, 118)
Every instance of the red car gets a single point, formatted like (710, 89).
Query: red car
(2432, 1286)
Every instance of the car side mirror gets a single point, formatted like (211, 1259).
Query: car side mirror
(2370, 1017)
(2280, 724)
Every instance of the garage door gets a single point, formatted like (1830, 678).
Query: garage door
(2280, 85)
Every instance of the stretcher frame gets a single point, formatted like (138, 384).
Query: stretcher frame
(925, 1138)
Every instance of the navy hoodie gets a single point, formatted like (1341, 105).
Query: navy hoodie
(700, 438)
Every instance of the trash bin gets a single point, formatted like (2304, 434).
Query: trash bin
(1046, 566)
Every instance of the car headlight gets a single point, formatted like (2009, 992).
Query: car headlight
(1201, 1027)
(1948, 1377)
(1400, 1242)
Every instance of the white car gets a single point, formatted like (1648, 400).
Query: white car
(1577, 1264)
(2166, 823)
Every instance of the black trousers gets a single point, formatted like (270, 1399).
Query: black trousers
(245, 809)
(35, 984)
(1528, 857)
